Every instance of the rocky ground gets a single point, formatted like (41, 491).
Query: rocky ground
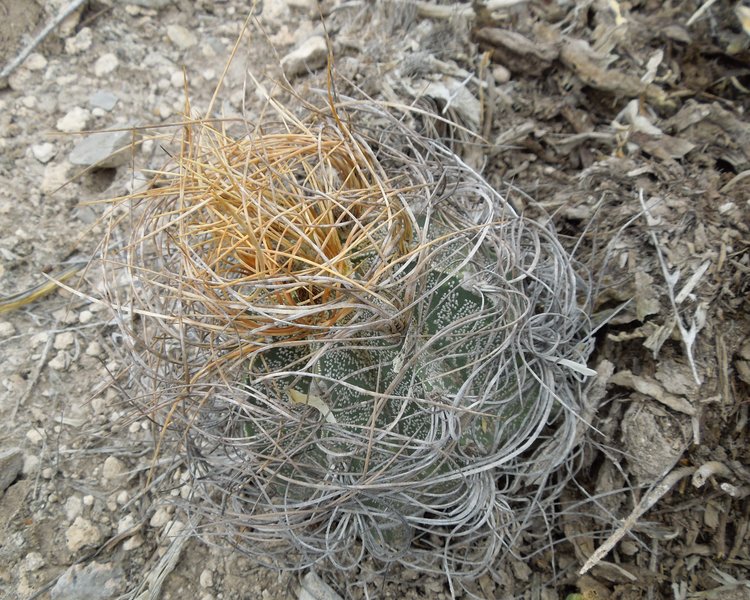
(623, 122)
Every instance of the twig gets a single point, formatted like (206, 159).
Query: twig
(646, 503)
(34, 375)
(150, 587)
(688, 335)
(699, 13)
(12, 65)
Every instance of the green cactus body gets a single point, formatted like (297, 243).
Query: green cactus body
(397, 389)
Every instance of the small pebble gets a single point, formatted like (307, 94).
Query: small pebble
(44, 152)
(48, 473)
(500, 74)
(35, 436)
(113, 470)
(11, 462)
(75, 120)
(88, 500)
(123, 497)
(94, 349)
(125, 524)
(35, 62)
(64, 340)
(103, 99)
(33, 561)
(177, 80)
(31, 463)
(159, 518)
(105, 64)
(133, 542)
(59, 361)
(173, 529)
(206, 578)
(80, 42)
(310, 55)
(181, 37)
(82, 533)
(7, 329)
(73, 507)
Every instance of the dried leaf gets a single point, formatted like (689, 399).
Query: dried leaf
(665, 147)
(646, 296)
(579, 56)
(518, 53)
(652, 388)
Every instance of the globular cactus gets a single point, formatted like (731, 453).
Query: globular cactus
(367, 353)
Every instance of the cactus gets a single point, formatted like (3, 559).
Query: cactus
(432, 363)
(365, 350)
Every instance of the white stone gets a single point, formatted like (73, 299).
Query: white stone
(159, 518)
(75, 120)
(7, 329)
(65, 315)
(177, 80)
(500, 74)
(73, 507)
(80, 43)
(33, 561)
(206, 578)
(88, 500)
(59, 361)
(173, 529)
(125, 524)
(64, 339)
(181, 37)
(134, 427)
(48, 472)
(113, 469)
(164, 110)
(31, 464)
(35, 62)
(29, 101)
(94, 349)
(309, 56)
(85, 316)
(105, 64)
(55, 176)
(20, 80)
(44, 152)
(82, 533)
(133, 542)
(35, 436)
(123, 497)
